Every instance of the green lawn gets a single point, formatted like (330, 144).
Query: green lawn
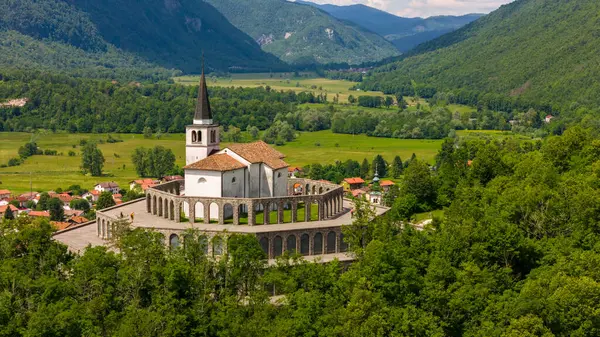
(285, 82)
(287, 215)
(51, 172)
(429, 215)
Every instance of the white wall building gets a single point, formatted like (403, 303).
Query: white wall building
(253, 170)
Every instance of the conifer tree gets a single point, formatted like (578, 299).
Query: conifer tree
(397, 167)
(8, 215)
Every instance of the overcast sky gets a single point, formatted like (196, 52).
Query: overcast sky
(425, 8)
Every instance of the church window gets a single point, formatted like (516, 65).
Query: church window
(233, 180)
(279, 175)
(199, 136)
(201, 180)
(213, 136)
(193, 136)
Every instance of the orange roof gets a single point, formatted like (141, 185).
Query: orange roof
(4, 192)
(60, 225)
(217, 162)
(358, 192)
(293, 168)
(73, 212)
(12, 208)
(387, 183)
(353, 181)
(259, 152)
(79, 219)
(44, 214)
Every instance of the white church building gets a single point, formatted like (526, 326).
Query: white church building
(249, 170)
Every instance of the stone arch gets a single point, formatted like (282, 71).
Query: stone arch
(315, 213)
(148, 203)
(203, 240)
(318, 244)
(321, 190)
(243, 214)
(218, 246)
(307, 189)
(161, 238)
(314, 189)
(154, 210)
(305, 244)
(194, 138)
(160, 206)
(343, 244)
(287, 209)
(277, 246)
(227, 213)
(213, 212)
(331, 242)
(108, 229)
(198, 211)
(101, 233)
(172, 210)
(264, 244)
(166, 208)
(290, 243)
(174, 241)
(185, 211)
(274, 213)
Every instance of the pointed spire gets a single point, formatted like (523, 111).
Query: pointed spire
(203, 111)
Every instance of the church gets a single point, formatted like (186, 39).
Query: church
(249, 170)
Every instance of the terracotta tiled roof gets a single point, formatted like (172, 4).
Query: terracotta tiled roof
(387, 183)
(353, 181)
(73, 212)
(293, 168)
(79, 219)
(44, 214)
(110, 184)
(2, 192)
(217, 162)
(358, 192)
(12, 208)
(172, 178)
(60, 225)
(259, 152)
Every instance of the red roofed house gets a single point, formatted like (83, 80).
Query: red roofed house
(92, 195)
(4, 194)
(167, 179)
(351, 184)
(12, 208)
(77, 220)
(39, 214)
(386, 184)
(293, 172)
(59, 225)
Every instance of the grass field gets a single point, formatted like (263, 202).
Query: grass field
(285, 82)
(51, 172)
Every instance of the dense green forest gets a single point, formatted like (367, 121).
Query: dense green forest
(516, 254)
(302, 34)
(89, 36)
(539, 51)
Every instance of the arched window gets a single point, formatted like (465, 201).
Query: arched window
(304, 244)
(279, 175)
(233, 180)
(291, 244)
(331, 242)
(174, 241)
(201, 180)
(199, 136)
(277, 246)
(194, 138)
(264, 244)
(343, 244)
(217, 246)
(318, 244)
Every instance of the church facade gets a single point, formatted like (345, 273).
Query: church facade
(253, 170)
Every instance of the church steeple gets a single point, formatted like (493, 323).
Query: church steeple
(203, 113)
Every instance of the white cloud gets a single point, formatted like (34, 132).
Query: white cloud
(425, 8)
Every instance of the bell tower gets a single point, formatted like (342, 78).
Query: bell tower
(202, 137)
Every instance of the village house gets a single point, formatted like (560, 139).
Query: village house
(78, 220)
(167, 179)
(294, 172)
(4, 194)
(12, 208)
(39, 214)
(92, 195)
(111, 187)
(351, 184)
(386, 184)
(143, 184)
(548, 119)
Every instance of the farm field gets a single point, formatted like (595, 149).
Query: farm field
(51, 172)
(286, 82)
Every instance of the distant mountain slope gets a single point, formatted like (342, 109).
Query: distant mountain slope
(544, 51)
(300, 33)
(404, 33)
(165, 33)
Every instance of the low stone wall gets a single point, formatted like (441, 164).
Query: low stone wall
(165, 201)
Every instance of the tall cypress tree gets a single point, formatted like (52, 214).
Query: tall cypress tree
(397, 167)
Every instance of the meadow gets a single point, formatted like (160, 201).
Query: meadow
(50, 172)
(307, 82)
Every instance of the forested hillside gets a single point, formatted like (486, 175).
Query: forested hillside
(404, 33)
(516, 254)
(101, 36)
(302, 34)
(541, 51)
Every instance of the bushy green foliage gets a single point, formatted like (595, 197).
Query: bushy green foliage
(301, 34)
(105, 200)
(92, 160)
(156, 162)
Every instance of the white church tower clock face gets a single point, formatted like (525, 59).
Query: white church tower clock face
(202, 137)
